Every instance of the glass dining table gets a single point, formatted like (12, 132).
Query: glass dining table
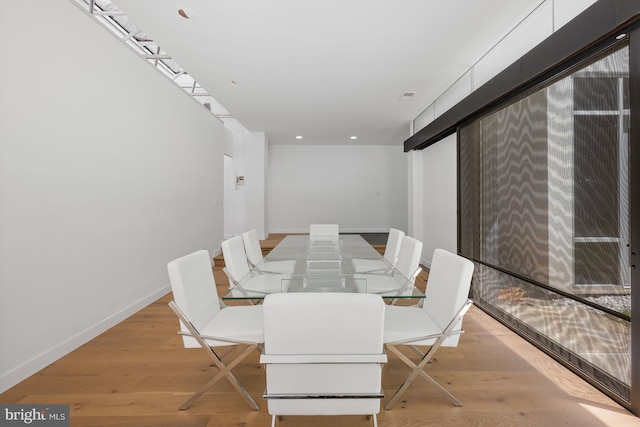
(324, 265)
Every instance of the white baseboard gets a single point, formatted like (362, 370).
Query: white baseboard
(47, 357)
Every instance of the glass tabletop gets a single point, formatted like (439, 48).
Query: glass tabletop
(324, 266)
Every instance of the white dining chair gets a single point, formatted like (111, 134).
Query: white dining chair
(256, 259)
(391, 251)
(438, 323)
(242, 279)
(401, 279)
(324, 233)
(323, 354)
(205, 324)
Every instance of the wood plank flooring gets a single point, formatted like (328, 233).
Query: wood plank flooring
(137, 374)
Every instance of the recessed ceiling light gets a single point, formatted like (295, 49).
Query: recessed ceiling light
(353, 137)
(406, 96)
(621, 36)
(299, 137)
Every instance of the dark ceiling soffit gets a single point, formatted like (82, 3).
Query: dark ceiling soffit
(603, 20)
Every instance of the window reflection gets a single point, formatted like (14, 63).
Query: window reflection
(544, 187)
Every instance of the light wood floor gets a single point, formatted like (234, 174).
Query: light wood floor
(138, 373)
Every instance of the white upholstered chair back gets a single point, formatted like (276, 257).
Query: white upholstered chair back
(194, 290)
(447, 289)
(323, 323)
(392, 247)
(235, 258)
(409, 257)
(323, 344)
(252, 247)
(324, 232)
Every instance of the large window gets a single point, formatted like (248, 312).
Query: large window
(544, 212)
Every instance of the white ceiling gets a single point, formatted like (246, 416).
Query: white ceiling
(327, 69)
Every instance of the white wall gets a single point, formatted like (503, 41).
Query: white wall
(436, 204)
(361, 188)
(229, 195)
(255, 159)
(540, 24)
(234, 194)
(107, 172)
(431, 216)
(245, 203)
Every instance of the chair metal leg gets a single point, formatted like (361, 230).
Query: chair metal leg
(232, 349)
(225, 371)
(417, 370)
(416, 350)
(426, 358)
(225, 353)
(375, 420)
